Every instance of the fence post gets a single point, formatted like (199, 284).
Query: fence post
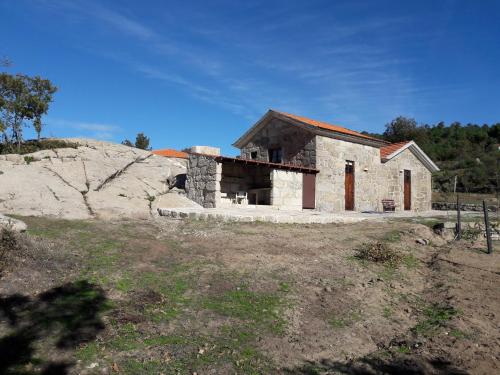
(487, 227)
(459, 223)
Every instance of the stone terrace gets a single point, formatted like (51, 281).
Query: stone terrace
(273, 215)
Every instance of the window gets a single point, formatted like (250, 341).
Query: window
(275, 155)
(253, 155)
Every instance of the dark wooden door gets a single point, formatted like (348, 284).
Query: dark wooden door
(407, 190)
(349, 185)
(308, 190)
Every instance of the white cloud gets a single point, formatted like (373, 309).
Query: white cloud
(92, 129)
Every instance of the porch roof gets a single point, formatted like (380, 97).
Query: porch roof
(288, 167)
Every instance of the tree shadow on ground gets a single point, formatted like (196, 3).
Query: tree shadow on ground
(64, 317)
(397, 365)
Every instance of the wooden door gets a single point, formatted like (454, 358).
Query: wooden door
(407, 189)
(349, 185)
(308, 190)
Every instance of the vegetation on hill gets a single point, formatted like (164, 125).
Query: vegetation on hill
(23, 102)
(34, 145)
(470, 152)
(141, 141)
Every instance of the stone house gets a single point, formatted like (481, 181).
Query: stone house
(294, 162)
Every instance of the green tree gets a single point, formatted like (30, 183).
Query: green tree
(142, 142)
(400, 129)
(15, 105)
(469, 152)
(41, 93)
(22, 98)
(126, 142)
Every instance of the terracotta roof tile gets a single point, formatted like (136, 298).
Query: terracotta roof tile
(327, 126)
(389, 149)
(170, 153)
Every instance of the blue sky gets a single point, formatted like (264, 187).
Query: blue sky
(202, 72)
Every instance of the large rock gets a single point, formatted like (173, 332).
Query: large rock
(97, 179)
(13, 224)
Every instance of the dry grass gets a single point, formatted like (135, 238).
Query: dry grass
(378, 252)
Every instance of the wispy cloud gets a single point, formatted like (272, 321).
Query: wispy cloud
(95, 130)
(292, 58)
(123, 23)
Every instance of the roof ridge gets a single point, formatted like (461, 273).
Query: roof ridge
(326, 125)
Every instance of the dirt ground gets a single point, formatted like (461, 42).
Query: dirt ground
(189, 297)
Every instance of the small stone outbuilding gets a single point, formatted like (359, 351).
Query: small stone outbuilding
(293, 162)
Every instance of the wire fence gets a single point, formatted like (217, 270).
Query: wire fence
(454, 190)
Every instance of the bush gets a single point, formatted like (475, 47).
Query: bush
(33, 146)
(378, 252)
(8, 245)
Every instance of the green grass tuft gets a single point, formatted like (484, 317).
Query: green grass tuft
(436, 316)
(262, 309)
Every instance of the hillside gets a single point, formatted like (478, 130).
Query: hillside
(96, 179)
(470, 152)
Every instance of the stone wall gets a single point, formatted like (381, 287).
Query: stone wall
(374, 180)
(447, 206)
(421, 181)
(286, 189)
(298, 145)
(331, 157)
(203, 180)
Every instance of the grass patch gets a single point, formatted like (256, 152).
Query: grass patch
(410, 262)
(125, 284)
(387, 312)
(392, 236)
(284, 287)
(166, 340)
(261, 309)
(458, 334)
(171, 286)
(133, 367)
(128, 338)
(88, 352)
(471, 234)
(404, 349)
(435, 317)
(346, 319)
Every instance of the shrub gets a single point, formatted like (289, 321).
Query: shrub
(378, 252)
(471, 234)
(34, 146)
(8, 244)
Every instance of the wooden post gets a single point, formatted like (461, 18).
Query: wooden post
(459, 222)
(487, 227)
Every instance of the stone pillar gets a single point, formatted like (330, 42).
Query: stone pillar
(203, 180)
(286, 189)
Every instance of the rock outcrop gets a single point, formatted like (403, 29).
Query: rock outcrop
(96, 179)
(12, 224)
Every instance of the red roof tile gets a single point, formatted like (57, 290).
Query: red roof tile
(170, 153)
(389, 149)
(327, 126)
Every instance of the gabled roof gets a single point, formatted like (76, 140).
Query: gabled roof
(394, 149)
(389, 149)
(326, 126)
(171, 153)
(334, 131)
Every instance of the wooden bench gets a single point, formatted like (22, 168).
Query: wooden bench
(388, 205)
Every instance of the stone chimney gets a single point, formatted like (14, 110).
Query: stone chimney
(207, 150)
